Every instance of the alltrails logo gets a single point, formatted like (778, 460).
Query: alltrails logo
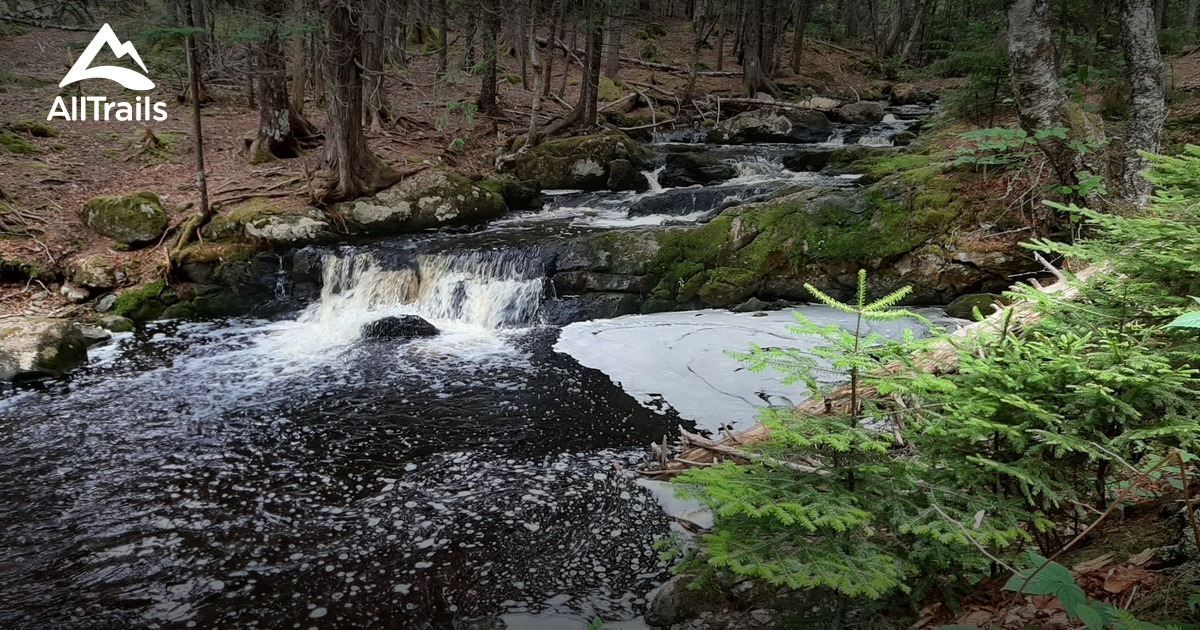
(142, 109)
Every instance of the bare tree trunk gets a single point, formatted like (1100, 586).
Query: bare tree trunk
(555, 28)
(350, 169)
(468, 61)
(274, 138)
(612, 46)
(914, 35)
(374, 47)
(299, 62)
(798, 40)
(1041, 103)
(753, 76)
(443, 48)
(897, 27)
(250, 102)
(193, 64)
(1139, 40)
(586, 109)
(1189, 21)
(487, 90)
(535, 106)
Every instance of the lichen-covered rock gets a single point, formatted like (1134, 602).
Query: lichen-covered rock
(429, 199)
(73, 292)
(691, 168)
(578, 163)
(773, 125)
(306, 225)
(95, 272)
(116, 323)
(861, 113)
(36, 347)
(135, 219)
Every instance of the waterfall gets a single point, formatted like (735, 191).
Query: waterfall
(485, 289)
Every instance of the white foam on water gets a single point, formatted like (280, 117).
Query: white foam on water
(682, 358)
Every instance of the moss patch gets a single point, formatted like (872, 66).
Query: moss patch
(16, 143)
(35, 128)
(723, 261)
(144, 303)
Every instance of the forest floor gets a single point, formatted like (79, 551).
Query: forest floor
(434, 123)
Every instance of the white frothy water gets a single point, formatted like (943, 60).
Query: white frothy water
(486, 291)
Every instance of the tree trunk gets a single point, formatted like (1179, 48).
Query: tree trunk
(1189, 20)
(298, 47)
(1139, 40)
(753, 76)
(1041, 103)
(443, 48)
(897, 27)
(586, 108)
(487, 90)
(279, 127)
(468, 61)
(350, 169)
(914, 35)
(798, 40)
(535, 97)
(374, 47)
(612, 47)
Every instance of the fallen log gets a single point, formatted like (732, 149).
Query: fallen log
(940, 358)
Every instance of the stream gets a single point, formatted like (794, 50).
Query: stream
(285, 472)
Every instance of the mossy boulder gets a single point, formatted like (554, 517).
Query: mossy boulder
(275, 222)
(39, 347)
(430, 199)
(773, 124)
(608, 90)
(517, 194)
(135, 219)
(578, 163)
(35, 128)
(964, 307)
(146, 302)
(900, 229)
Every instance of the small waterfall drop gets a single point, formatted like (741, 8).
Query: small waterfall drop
(484, 289)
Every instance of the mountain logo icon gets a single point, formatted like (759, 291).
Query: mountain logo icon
(130, 79)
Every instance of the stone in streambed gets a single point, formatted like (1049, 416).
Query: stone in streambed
(582, 162)
(38, 347)
(692, 168)
(622, 176)
(861, 113)
(964, 307)
(402, 327)
(796, 126)
(430, 199)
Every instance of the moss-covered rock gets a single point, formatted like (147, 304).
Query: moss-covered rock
(773, 124)
(902, 231)
(37, 347)
(691, 168)
(608, 90)
(578, 163)
(964, 306)
(429, 199)
(135, 219)
(146, 302)
(517, 194)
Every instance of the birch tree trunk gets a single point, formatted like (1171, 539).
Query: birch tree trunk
(1143, 133)
(1041, 103)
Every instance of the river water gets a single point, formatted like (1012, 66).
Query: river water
(286, 473)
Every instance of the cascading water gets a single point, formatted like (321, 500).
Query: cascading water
(492, 290)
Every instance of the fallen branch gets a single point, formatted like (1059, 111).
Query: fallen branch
(778, 104)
